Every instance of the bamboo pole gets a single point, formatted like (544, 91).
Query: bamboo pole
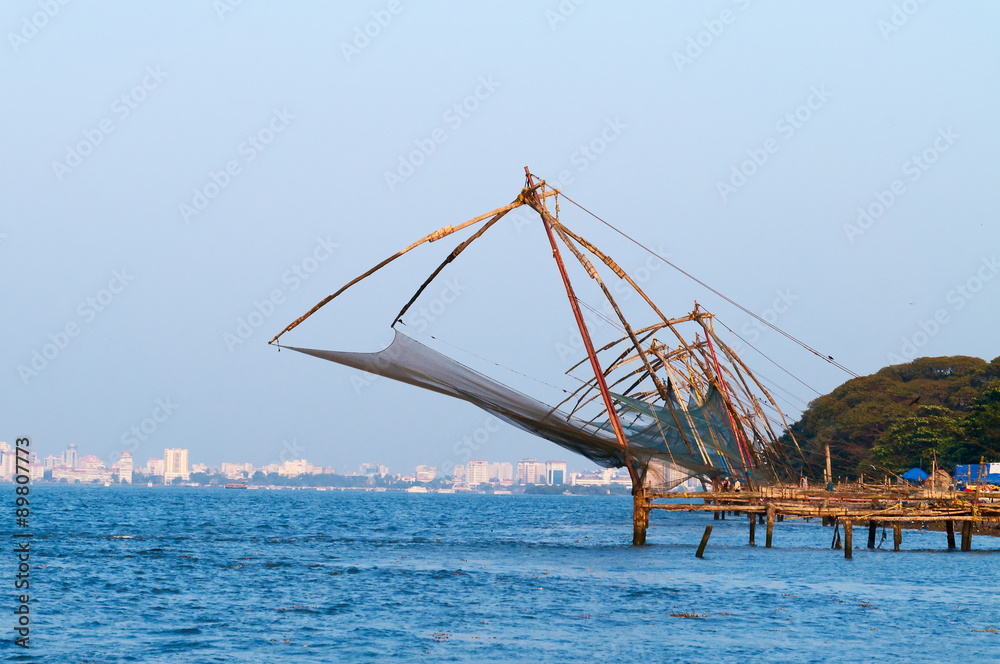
(753, 529)
(848, 537)
(897, 535)
(433, 237)
(950, 528)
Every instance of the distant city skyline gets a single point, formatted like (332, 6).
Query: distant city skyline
(174, 465)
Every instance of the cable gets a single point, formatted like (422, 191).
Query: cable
(826, 358)
(818, 393)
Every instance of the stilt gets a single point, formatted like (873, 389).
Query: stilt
(966, 536)
(640, 518)
(753, 530)
(848, 536)
(760, 519)
(715, 515)
(950, 528)
(770, 526)
(897, 535)
(829, 467)
(704, 542)
(872, 528)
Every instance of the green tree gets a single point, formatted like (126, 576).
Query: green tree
(861, 412)
(916, 440)
(982, 426)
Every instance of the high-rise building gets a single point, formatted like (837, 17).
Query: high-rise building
(530, 471)
(425, 473)
(8, 461)
(373, 469)
(51, 462)
(125, 468)
(155, 467)
(69, 457)
(459, 475)
(175, 464)
(502, 472)
(477, 472)
(555, 472)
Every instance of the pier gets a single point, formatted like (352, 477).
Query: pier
(846, 506)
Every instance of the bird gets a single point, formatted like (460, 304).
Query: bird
(915, 400)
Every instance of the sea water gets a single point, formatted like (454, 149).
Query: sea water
(213, 575)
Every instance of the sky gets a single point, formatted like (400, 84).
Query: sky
(182, 180)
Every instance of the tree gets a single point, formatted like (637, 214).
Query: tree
(982, 424)
(916, 440)
(859, 415)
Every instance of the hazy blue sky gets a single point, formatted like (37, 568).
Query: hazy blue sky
(169, 168)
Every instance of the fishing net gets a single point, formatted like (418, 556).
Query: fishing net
(667, 445)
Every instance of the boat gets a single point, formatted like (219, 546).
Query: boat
(667, 399)
(417, 489)
(236, 485)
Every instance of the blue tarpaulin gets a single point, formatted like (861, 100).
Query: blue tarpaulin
(914, 476)
(970, 474)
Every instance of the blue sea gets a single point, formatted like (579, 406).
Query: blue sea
(210, 575)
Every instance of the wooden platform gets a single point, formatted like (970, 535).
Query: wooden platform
(844, 506)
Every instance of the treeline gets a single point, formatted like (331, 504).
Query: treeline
(904, 416)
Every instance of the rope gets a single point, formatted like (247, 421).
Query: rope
(497, 364)
(762, 354)
(826, 358)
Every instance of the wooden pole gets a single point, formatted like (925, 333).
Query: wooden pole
(966, 536)
(829, 466)
(950, 528)
(872, 530)
(753, 530)
(770, 526)
(704, 542)
(897, 535)
(848, 536)
(640, 514)
(640, 518)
